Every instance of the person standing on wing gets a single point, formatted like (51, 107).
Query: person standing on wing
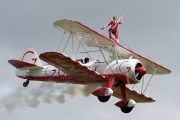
(114, 26)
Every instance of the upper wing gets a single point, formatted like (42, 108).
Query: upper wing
(92, 38)
(137, 96)
(71, 67)
(23, 65)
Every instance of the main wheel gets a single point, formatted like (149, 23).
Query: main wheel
(103, 98)
(126, 109)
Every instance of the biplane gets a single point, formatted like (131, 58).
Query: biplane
(123, 67)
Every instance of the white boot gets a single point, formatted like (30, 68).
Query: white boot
(117, 40)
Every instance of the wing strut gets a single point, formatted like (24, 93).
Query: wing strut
(61, 40)
(86, 52)
(72, 46)
(67, 41)
(115, 54)
(131, 56)
(103, 55)
(150, 80)
(80, 43)
(142, 85)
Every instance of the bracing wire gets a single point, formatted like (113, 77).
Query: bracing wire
(98, 55)
(133, 86)
(126, 44)
(86, 51)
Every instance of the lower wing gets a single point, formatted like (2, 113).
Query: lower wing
(71, 67)
(135, 95)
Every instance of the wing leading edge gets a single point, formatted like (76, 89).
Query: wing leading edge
(92, 38)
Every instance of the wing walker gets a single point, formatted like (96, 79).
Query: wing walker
(121, 68)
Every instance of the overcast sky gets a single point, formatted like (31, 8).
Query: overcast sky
(150, 28)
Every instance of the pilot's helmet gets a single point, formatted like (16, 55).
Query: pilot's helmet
(86, 60)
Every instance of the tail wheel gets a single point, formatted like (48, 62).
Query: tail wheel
(126, 109)
(103, 98)
(25, 84)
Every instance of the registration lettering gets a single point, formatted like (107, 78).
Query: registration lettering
(74, 68)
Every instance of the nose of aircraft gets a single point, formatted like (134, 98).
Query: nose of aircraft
(142, 70)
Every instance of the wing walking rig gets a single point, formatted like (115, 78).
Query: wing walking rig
(124, 67)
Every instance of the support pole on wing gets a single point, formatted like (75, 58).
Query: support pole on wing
(142, 85)
(106, 60)
(150, 80)
(131, 56)
(67, 41)
(80, 42)
(115, 54)
(61, 40)
(86, 51)
(103, 55)
(72, 46)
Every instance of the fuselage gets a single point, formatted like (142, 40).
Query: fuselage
(122, 70)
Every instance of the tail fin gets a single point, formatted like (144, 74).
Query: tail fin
(30, 56)
(29, 60)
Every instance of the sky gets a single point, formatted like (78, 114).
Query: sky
(150, 28)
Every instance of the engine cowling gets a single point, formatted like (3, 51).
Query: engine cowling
(135, 68)
(127, 69)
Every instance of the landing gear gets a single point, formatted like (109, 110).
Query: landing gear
(126, 106)
(25, 84)
(126, 109)
(103, 98)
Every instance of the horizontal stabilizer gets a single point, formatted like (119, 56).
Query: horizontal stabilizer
(71, 67)
(133, 94)
(23, 65)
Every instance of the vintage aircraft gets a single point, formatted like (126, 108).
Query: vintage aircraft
(123, 66)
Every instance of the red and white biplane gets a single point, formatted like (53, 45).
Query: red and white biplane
(123, 66)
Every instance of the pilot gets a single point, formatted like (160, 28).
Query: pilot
(86, 60)
(114, 26)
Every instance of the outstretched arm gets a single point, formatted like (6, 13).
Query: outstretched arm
(106, 25)
(120, 20)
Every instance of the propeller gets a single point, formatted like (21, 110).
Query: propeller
(142, 70)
